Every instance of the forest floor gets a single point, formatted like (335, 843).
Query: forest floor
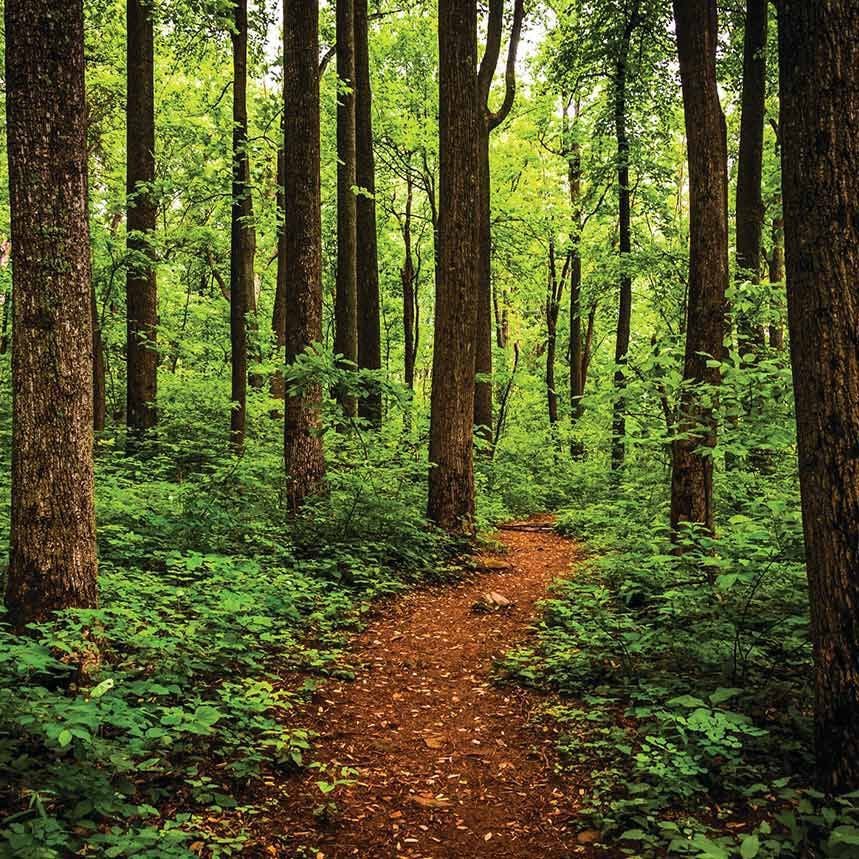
(446, 762)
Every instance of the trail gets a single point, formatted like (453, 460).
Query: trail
(449, 765)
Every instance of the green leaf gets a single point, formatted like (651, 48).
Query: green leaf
(689, 701)
(750, 847)
(723, 694)
(104, 686)
(64, 737)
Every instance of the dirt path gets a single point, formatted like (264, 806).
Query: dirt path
(449, 765)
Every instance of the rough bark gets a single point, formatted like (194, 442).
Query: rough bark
(819, 68)
(141, 289)
(624, 312)
(242, 238)
(692, 466)
(367, 271)
(278, 313)
(346, 284)
(451, 478)
(303, 452)
(750, 207)
(52, 562)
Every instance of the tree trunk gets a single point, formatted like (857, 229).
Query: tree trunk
(369, 329)
(407, 277)
(776, 276)
(750, 207)
(52, 562)
(278, 314)
(346, 286)
(242, 240)
(483, 353)
(624, 313)
(500, 310)
(577, 381)
(692, 466)
(554, 293)
(141, 291)
(99, 387)
(451, 477)
(303, 453)
(819, 66)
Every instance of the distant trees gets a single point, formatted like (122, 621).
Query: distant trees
(242, 238)
(692, 465)
(52, 562)
(303, 453)
(451, 477)
(141, 289)
(819, 84)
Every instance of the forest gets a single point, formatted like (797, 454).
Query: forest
(429, 429)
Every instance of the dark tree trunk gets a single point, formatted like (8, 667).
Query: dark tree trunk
(692, 467)
(489, 120)
(776, 276)
(554, 294)
(407, 277)
(346, 286)
(52, 562)
(278, 313)
(624, 313)
(141, 291)
(589, 339)
(819, 64)
(750, 207)
(451, 478)
(242, 239)
(577, 380)
(99, 386)
(501, 324)
(303, 453)
(369, 329)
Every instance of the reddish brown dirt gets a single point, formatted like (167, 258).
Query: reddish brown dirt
(449, 764)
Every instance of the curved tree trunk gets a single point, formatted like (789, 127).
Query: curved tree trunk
(52, 563)
(242, 240)
(692, 466)
(346, 286)
(369, 328)
(451, 477)
(819, 52)
(141, 290)
(303, 454)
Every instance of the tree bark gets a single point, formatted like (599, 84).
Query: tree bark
(141, 289)
(577, 381)
(346, 285)
(750, 207)
(624, 313)
(776, 276)
(52, 562)
(369, 328)
(242, 239)
(303, 452)
(819, 70)
(451, 477)
(99, 386)
(407, 278)
(554, 294)
(278, 313)
(692, 466)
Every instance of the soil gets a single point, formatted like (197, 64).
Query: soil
(448, 763)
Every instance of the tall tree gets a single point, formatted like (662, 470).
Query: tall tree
(408, 278)
(692, 465)
(346, 285)
(278, 313)
(52, 562)
(451, 477)
(750, 207)
(303, 451)
(242, 237)
(141, 290)
(489, 120)
(554, 294)
(624, 313)
(819, 71)
(369, 329)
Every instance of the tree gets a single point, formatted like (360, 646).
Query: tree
(141, 289)
(554, 294)
(692, 464)
(278, 313)
(819, 84)
(346, 296)
(750, 207)
(490, 120)
(52, 562)
(451, 477)
(242, 239)
(303, 452)
(367, 272)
